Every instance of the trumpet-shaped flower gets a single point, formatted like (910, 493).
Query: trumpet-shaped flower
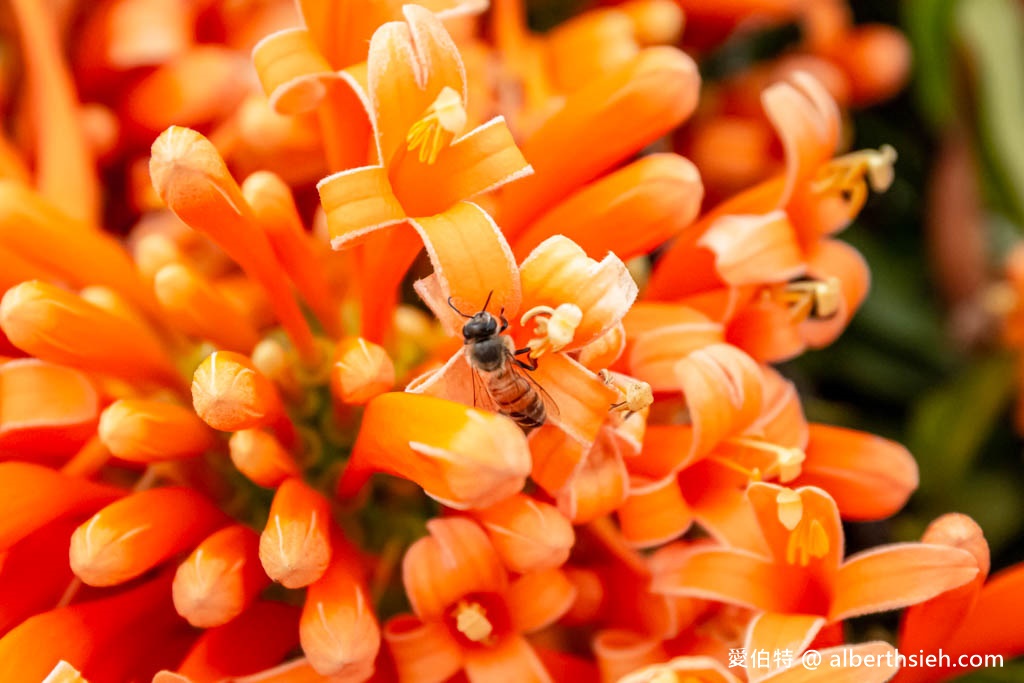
(468, 614)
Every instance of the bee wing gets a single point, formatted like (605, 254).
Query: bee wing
(481, 397)
(549, 403)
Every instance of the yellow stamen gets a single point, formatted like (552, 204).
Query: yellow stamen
(809, 299)
(554, 329)
(851, 174)
(807, 537)
(441, 122)
(636, 395)
(787, 460)
(471, 621)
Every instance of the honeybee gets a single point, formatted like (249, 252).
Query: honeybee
(498, 371)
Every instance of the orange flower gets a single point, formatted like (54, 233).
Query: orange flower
(973, 619)
(468, 614)
(778, 281)
(427, 164)
(804, 574)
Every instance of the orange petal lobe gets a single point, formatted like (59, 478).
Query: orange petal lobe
(528, 534)
(295, 546)
(461, 456)
(754, 249)
(198, 308)
(220, 579)
(150, 431)
(423, 652)
(135, 534)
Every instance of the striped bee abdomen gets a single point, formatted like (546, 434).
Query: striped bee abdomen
(516, 397)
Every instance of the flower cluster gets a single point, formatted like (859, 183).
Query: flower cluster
(232, 448)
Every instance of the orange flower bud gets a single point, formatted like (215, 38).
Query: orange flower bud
(220, 579)
(295, 546)
(129, 537)
(529, 535)
(338, 629)
(151, 431)
(32, 496)
(362, 370)
(56, 325)
(261, 457)
(229, 394)
(199, 309)
(47, 409)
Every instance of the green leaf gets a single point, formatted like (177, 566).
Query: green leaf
(992, 34)
(950, 424)
(929, 24)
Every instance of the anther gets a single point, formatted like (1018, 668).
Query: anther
(441, 122)
(471, 621)
(554, 328)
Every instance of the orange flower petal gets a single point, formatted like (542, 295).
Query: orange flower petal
(40, 233)
(602, 353)
(274, 208)
(17, 269)
(422, 652)
(656, 196)
(664, 453)
(292, 70)
(362, 371)
(868, 476)
(482, 160)
(269, 631)
(588, 46)
(722, 386)
(704, 669)
(782, 418)
(780, 632)
(878, 59)
(556, 458)
(34, 573)
(655, 22)
(150, 431)
(599, 486)
(463, 457)
(193, 180)
(601, 124)
(654, 355)
(138, 532)
(735, 577)
(881, 655)
(582, 398)
(927, 626)
(539, 598)
(751, 250)
(559, 272)
(990, 625)
(203, 84)
(46, 409)
(527, 534)
(58, 326)
(765, 329)
(358, 202)
(409, 64)
(897, 575)
(620, 652)
(64, 162)
(194, 306)
(32, 496)
(513, 659)
(654, 513)
(261, 457)
(338, 628)
(806, 119)
(295, 546)
(220, 579)
(832, 258)
(471, 260)
(88, 635)
(131, 33)
(454, 560)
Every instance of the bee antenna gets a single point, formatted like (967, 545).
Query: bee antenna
(489, 295)
(456, 309)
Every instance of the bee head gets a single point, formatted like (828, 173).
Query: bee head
(481, 326)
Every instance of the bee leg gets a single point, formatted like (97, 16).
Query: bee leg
(531, 365)
(504, 321)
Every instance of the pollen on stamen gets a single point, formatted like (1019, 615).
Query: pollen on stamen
(554, 328)
(444, 119)
(471, 621)
(790, 508)
(852, 174)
